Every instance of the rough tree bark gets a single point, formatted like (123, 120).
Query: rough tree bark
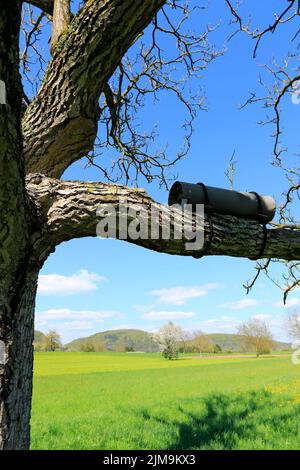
(39, 212)
(18, 271)
(60, 21)
(45, 5)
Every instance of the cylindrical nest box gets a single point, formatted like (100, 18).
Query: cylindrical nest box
(224, 201)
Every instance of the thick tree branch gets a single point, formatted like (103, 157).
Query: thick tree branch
(60, 125)
(61, 20)
(68, 210)
(44, 5)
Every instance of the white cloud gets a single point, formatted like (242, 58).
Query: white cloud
(179, 295)
(75, 326)
(65, 313)
(224, 324)
(240, 304)
(168, 315)
(261, 316)
(143, 308)
(129, 326)
(79, 283)
(289, 303)
(72, 324)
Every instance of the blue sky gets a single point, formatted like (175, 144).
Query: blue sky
(91, 285)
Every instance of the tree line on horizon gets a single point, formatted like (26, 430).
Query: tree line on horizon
(254, 335)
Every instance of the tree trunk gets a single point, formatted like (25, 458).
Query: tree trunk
(18, 278)
(17, 330)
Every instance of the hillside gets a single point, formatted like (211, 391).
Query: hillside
(139, 340)
(233, 342)
(117, 340)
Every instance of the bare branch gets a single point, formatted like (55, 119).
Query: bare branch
(60, 125)
(257, 33)
(145, 73)
(231, 170)
(32, 56)
(260, 268)
(279, 19)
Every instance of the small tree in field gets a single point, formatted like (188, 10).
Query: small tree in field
(256, 336)
(293, 325)
(52, 341)
(87, 347)
(217, 349)
(185, 342)
(169, 337)
(201, 343)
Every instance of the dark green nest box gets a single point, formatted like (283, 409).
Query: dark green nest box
(224, 201)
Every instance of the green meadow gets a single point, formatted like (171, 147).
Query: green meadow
(142, 401)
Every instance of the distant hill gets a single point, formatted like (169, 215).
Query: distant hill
(117, 340)
(139, 340)
(233, 342)
(38, 336)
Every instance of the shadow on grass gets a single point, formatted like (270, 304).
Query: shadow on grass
(223, 421)
(252, 420)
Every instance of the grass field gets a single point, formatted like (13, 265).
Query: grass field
(142, 401)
